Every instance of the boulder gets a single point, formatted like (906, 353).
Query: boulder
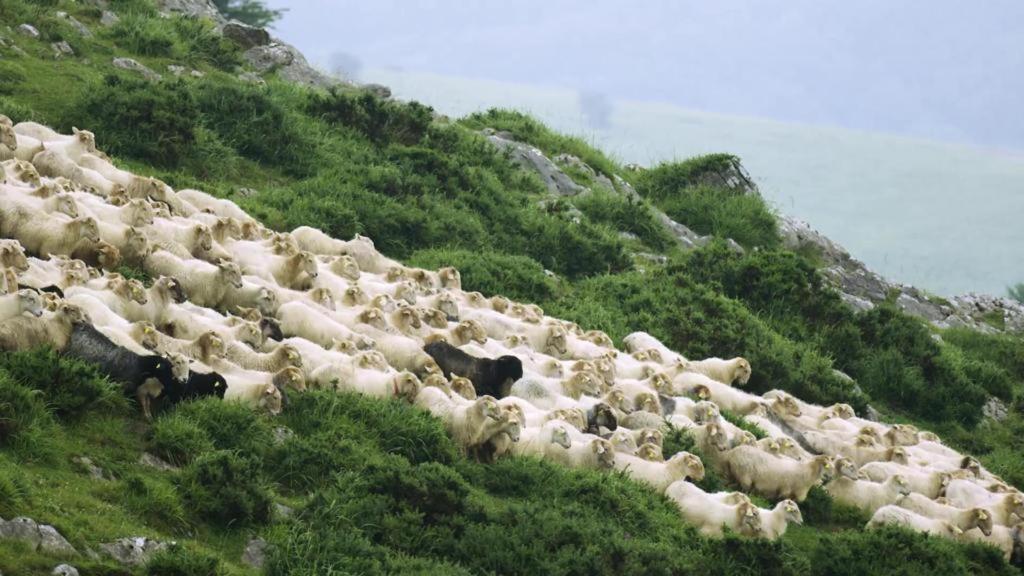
(135, 66)
(245, 35)
(152, 461)
(197, 8)
(82, 29)
(108, 18)
(65, 570)
(995, 409)
(133, 551)
(38, 536)
(530, 158)
(255, 554)
(28, 30)
(87, 465)
(288, 62)
(62, 48)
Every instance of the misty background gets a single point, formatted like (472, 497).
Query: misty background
(895, 128)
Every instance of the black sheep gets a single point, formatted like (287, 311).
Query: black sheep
(490, 377)
(143, 377)
(601, 415)
(271, 329)
(199, 384)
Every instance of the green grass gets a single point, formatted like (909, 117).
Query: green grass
(379, 487)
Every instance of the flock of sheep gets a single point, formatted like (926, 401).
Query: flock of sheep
(244, 313)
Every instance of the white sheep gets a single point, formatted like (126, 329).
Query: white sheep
(965, 519)
(259, 395)
(930, 483)
(659, 475)
(201, 201)
(296, 271)
(867, 495)
(774, 522)
(710, 514)
(725, 371)
(1007, 540)
(205, 284)
(547, 441)
(967, 494)
(755, 470)
(595, 454)
(20, 302)
(725, 396)
(892, 515)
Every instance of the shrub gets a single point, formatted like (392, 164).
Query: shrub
(305, 462)
(225, 425)
(248, 119)
(490, 272)
(178, 439)
(199, 41)
(225, 489)
(70, 387)
(626, 215)
(181, 561)
(11, 75)
(15, 490)
(153, 500)
(25, 424)
(143, 35)
(151, 121)
(382, 121)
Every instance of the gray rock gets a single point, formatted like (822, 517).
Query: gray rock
(628, 236)
(378, 90)
(133, 551)
(734, 246)
(198, 8)
(87, 465)
(197, 74)
(597, 181)
(995, 409)
(28, 30)
(82, 29)
(255, 554)
(625, 188)
(176, 69)
(530, 158)
(135, 66)
(38, 536)
(62, 48)
(109, 18)
(252, 78)
(283, 511)
(65, 570)
(871, 414)
(282, 434)
(288, 62)
(688, 239)
(17, 50)
(153, 461)
(245, 35)
(247, 192)
(656, 258)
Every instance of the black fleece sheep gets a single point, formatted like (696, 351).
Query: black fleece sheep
(199, 384)
(490, 377)
(143, 377)
(601, 415)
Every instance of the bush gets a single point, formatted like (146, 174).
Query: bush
(302, 463)
(151, 121)
(199, 41)
(70, 387)
(225, 489)
(517, 277)
(153, 500)
(382, 121)
(23, 413)
(180, 561)
(222, 425)
(143, 35)
(626, 215)
(178, 439)
(15, 490)
(10, 76)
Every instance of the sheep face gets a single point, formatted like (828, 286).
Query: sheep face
(323, 297)
(8, 137)
(606, 370)
(291, 378)
(211, 344)
(87, 228)
(136, 243)
(347, 346)
(983, 520)
(345, 267)
(436, 381)
(463, 387)
(557, 341)
(705, 412)
(647, 402)
(372, 317)
(51, 301)
(603, 417)
(471, 331)
(789, 449)
(354, 296)
(65, 204)
(147, 335)
(140, 213)
(717, 437)
(499, 304)
(394, 274)
(650, 452)
(651, 436)
(686, 465)
(903, 435)
(560, 436)
(701, 391)
(572, 416)
(598, 337)
(384, 302)
(108, 256)
(750, 519)
(306, 262)
(270, 400)
(792, 512)
(617, 400)
(450, 278)
(512, 422)
(477, 300)
(446, 303)
(249, 333)
(86, 138)
(29, 301)
(582, 383)
(623, 442)
(742, 371)
(604, 453)
(12, 255)
(786, 406)
(72, 314)
(291, 355)
(408, 318)
(970, 464)
(136, 291)
(406, 291)
(371, 359)
(230, 273)
(487, 407)
(179, 367)
(434, 318)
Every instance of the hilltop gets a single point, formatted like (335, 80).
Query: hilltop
(688, 252)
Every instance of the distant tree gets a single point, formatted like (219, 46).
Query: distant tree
(1017, 292)
(252, 12)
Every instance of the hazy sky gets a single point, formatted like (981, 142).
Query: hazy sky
(945, 69)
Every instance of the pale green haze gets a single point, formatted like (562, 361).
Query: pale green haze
(944, 217)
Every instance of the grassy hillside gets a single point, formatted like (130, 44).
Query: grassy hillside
(377, 487)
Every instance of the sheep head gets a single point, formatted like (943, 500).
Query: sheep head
(107, 255)
(290, 377)
(785, 406)
(789, 448)
(406, 291)
(8, 137)
(903, 435)
(573, 416)
(749, 518)
(557, 341)
(249, 333)
(407, 317)
(372, 317)
(463, 387)
(322, 296)
(701, 391)
(85, 227)
(290, 354)
(500, 304)
(706, 411)
(146, 335)
(433, 317)
(384, 302)
(85, 138)
(346, 267)
(30, 301)
(650, 452)
(72, 314)
(982, 519)
(686, 465)
(487, 407)
(354, 296)
(742, 371)
(651, 436)
(230, 273)
(604, 453)
(65, 204)
(394, 274)
(344, 345)
(211, 344)
(476, 299)
(179, 367)
(600, 416)
(137, 245)
(899, 456)
(447, 304)
(136, 291)
(270, 399)
(560, 436)
(12, 255)
(170, 288)
(825, 467)
(1015, 504)
(450, 278)
(470, 331)
(616, 399)
(791, 511)
(512, 419)
(598, 337)
(306, 262)
(623, 441)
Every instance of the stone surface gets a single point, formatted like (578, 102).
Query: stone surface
(153, 461)
(282, 434)
(283, 511)
(65, 570)
(133, 551)
(255, 554)
(244, 35)
(87, 465)
(199, 8)
(378, 90)
(197, 73)
(529, 157)
(38, 536)
(288, 62)
(176, 69)
(135, 66)
(82, 29)
(62, 48)
(28, 30)
(995, 409)
(247, 192)
(252, 78)
(109, 18)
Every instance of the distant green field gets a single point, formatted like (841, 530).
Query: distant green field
(943, 217)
